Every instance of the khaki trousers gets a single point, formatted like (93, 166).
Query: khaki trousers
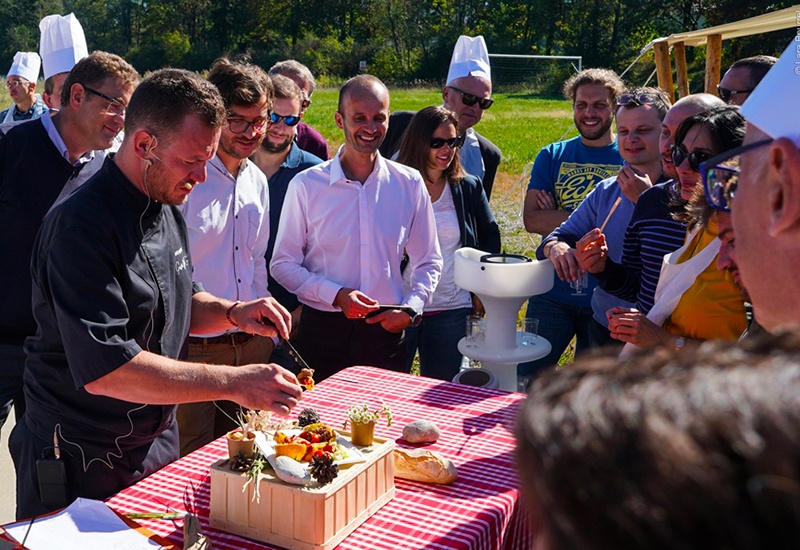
(202, 423)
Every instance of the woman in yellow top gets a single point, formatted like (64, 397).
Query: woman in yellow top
(694, 299)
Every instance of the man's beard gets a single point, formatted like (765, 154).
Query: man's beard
(593, 133)
(270, 147)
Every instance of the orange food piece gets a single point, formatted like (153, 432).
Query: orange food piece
(306, 379)
(296, 451)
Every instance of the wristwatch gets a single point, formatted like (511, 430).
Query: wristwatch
(416, 318)
(679, 343)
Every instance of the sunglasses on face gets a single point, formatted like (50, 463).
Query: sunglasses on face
(679, 154)
(725, 94)
(721, 175)
(469, 100)
(438, 143)
(637, 99)
(115, 106)
(288, 120)
(241, 125)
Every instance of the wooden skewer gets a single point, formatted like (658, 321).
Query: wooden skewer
(616, 203)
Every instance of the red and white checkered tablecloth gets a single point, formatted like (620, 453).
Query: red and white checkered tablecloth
(479, 511)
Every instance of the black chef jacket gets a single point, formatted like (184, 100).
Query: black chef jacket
(112, 277)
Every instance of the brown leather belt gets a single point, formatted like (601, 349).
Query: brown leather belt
(231, 339)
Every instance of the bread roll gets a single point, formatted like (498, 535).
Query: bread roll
(423, 465)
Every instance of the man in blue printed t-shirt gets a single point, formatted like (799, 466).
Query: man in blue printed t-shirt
(563, 174)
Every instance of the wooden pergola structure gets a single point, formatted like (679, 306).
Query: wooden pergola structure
(712, 38)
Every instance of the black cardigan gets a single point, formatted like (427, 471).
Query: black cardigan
(475, 219)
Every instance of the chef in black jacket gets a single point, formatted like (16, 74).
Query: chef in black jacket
(114, 301)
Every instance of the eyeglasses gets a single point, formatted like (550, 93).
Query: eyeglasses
(288, 120)
(241, 125)
(438, 143)
(679, 154)
(14, 83)
(643, 98)
(721, 175)
(470, 100)
(115, 106)
(725, 94)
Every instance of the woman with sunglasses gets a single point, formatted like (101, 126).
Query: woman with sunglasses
(463, 218)
(693, 300)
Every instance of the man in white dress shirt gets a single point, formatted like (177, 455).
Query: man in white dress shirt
(227, 219)
(344, 228)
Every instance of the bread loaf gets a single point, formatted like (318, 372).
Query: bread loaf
(421, 431)
(423, 465)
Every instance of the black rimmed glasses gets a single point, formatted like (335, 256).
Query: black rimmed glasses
(438, 143)
(469, 100)
(721, 175)
(241, 125)
(288, 120)
(679, 154)
(725, 94)
(115, 106)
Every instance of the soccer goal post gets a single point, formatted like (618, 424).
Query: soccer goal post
(532, 73)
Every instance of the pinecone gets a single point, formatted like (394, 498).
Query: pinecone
(241, 463)
(323, 469)
(307, 416)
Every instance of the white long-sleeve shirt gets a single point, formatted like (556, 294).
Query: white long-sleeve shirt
(228, 223)
(337, 233)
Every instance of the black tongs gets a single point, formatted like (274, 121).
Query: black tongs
(293, 353)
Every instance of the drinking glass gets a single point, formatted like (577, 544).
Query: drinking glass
(530, 326)
(579, 284)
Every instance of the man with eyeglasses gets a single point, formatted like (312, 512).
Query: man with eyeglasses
(281, 158)
(307, 137)
(228, 223)
(763, 197)
(21, 83)
(41, 163)
(468, 94)
(742, 78)
(343, 232)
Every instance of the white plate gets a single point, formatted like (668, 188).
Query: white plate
(266, 444)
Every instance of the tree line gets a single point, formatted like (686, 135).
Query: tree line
(402, 41)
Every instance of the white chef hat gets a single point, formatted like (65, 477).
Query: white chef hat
(772, 106)
(26, 65)
(470, 57)
(62, 43)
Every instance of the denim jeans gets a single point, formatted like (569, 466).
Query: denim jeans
(558, 323)
(437, 338)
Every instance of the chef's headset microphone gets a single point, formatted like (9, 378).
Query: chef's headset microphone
(148, 162)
